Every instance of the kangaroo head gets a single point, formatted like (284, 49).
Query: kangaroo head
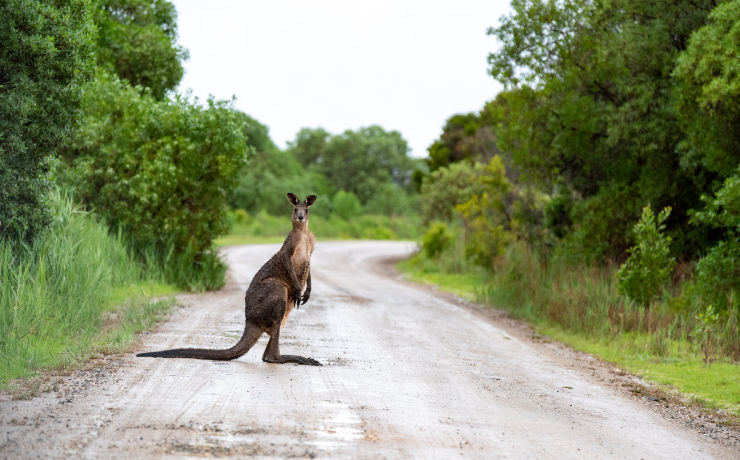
(300, 210)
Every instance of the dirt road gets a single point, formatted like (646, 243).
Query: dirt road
(406, 374)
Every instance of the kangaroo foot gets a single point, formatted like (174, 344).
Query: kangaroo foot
(282, 359)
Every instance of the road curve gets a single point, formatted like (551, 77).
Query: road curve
(406, 374)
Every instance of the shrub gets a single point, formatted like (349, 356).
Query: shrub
(650, 264)
(44, 58)
(380, 232)
(718, 272)
(705, 331)
(391, 200)
(160, 171)
(346, 205)
(437, 239)
(240, 215)
(485, 216)
(445, 188)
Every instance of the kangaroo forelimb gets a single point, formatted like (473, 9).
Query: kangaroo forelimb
(307, 292)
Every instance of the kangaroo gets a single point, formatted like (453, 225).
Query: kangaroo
(283, 282)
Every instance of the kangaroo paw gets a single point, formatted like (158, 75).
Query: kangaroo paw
(312, 362)
(282, 359)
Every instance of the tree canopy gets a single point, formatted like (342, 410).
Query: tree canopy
(592, 109)
(358, 161)
(44, 58)
(464, 137)
(137, 40)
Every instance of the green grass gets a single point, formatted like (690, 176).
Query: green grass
(715, 385)
(464, 285)
(266, 228)
(581, 308)
(74, 292)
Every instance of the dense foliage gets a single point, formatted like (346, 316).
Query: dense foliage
(137, 41)
(464, 137)
(44, 58)
(591, 99)
(161, 171)
(369, 166)
(707, 76)
(608, 109)
(718, 272)
(57, 292)
(272, 173)
(357, 161)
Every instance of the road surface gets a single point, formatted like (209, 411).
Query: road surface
(407, 374)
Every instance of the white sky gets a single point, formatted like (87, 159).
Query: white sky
(406, 65)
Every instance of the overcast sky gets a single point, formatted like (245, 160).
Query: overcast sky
(405, 65)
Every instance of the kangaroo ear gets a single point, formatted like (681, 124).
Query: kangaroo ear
(293, 199)
(310, 199)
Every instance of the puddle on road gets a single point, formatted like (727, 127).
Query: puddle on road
(338, 429)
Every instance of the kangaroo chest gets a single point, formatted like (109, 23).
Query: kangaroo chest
(301, 257)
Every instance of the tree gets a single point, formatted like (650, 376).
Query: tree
(273, 172)
(44, 58)
(589, 87)
(708, 95)
(309, 145)
(650, 264)
(161, 171)
(464, 137)
(485, 215)
(447, 187)
(137, 41)
(362, 161)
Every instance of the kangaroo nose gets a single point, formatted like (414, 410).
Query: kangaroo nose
(300, 217)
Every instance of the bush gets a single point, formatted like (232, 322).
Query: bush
(436, 240)
(485, 216)
(718, 272)
(273, 173)
(445, 188)
(391, 200)
(160, 171)
(44, 58)
(379, 232)
(240, 216)
(650, 264)
(346, 205)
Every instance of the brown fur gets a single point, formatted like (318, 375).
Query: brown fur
(283, 282)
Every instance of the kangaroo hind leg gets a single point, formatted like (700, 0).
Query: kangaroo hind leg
(272, 351)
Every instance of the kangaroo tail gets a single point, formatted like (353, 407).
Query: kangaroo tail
(249, 338)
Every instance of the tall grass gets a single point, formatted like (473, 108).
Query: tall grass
(585, 300)
(581, 299)
(184, 267)
(56, 293)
